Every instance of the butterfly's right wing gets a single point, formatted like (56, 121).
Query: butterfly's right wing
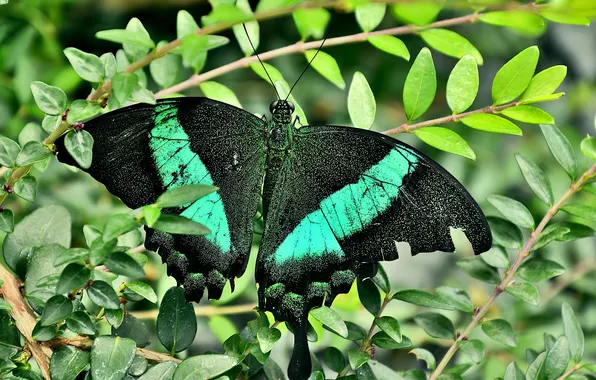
(141, 151)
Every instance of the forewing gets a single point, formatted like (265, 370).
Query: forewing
(141, 151)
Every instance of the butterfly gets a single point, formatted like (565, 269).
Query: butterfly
(335, 200)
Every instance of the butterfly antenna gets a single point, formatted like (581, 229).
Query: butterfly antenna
(261, 62)
(309, 62)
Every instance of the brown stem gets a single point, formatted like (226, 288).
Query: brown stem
(366, 341)
(25, 320)
(448, 119)
(523, 254)
(303, 46)
(570, 371)
(203, 311)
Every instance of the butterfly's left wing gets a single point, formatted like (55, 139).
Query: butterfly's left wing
(343, 198)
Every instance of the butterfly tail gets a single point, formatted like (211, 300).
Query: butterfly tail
(300, 363)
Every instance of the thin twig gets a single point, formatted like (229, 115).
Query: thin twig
(203, 311)
(301, 46)
(523, 254)
(448, 119)
(570, 371)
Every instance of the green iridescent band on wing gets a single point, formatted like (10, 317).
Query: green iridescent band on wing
(348, 210)
(178, 165)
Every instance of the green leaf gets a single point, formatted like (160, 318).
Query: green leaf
(118, 225)
(273, 72)
(536, 179)
(544, 83)
(584, 211)
(160, 371)
(32, 152)
(26, 188)
(167, 69)
(573, 332)
(548, 98)
(176, 321)
(590, 188)
(369, 16)
(39, 269)
(561, 149)
(123, 264)
(103, 295)
(334, 359)
(115, 317)
(381, 280)
(331, 319)
(420, 86)
(556, 361)
(390, 326)
(361, 102)
(4, 305)
(185, 24)
(267, 338)
(528, 114)
(67, 362)
(501, 331)
(515, 76)
(417, 13)
(138, 366)
(44, 333)
(525, 292)
(435, 325)
(111, 357)
(6, 221)
(588, 146)
(422, 298)
(176, 224)
(446, 140)
(80, 111)
(369, 295)
(382, 340)
(355, 332)
(225, 13)
(496, 257)
(204, 367)
(87, 66)
(109, 65)
(74, 276)
(311, 22)
(326, 65)
(513, 210)
(51, 100)
(57, 309)
(491, 123)
(357, 358)
(122, 86)
(100, 249)
(133, 328)
(252, 27)
(6, 367)
(194, 51)
(50, 123)
(422, 354)
(536, 269)
(9, 150)
(523, 22)
(478, 268)
(47, 225)
(142, 290)
(450, 43)
(564, 18)
(151, 214)
(456, 297)
(462, 85)
(217, 91)
(81, 323)
(183, 195)
(133, 34)
(80, 146)
(473, 348)
(391, 45)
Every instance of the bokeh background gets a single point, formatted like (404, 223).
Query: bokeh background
(33, 34)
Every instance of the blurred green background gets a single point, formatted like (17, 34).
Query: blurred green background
(34, 32)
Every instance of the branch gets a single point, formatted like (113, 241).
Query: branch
(25, 320)
(523, 254)
(301, 46)
(85, 344)
(571, 370)
(405, 127)
(203, 311)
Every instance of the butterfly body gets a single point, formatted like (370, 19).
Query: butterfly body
(336, 200)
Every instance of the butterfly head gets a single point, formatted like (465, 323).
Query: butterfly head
(282, 111)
